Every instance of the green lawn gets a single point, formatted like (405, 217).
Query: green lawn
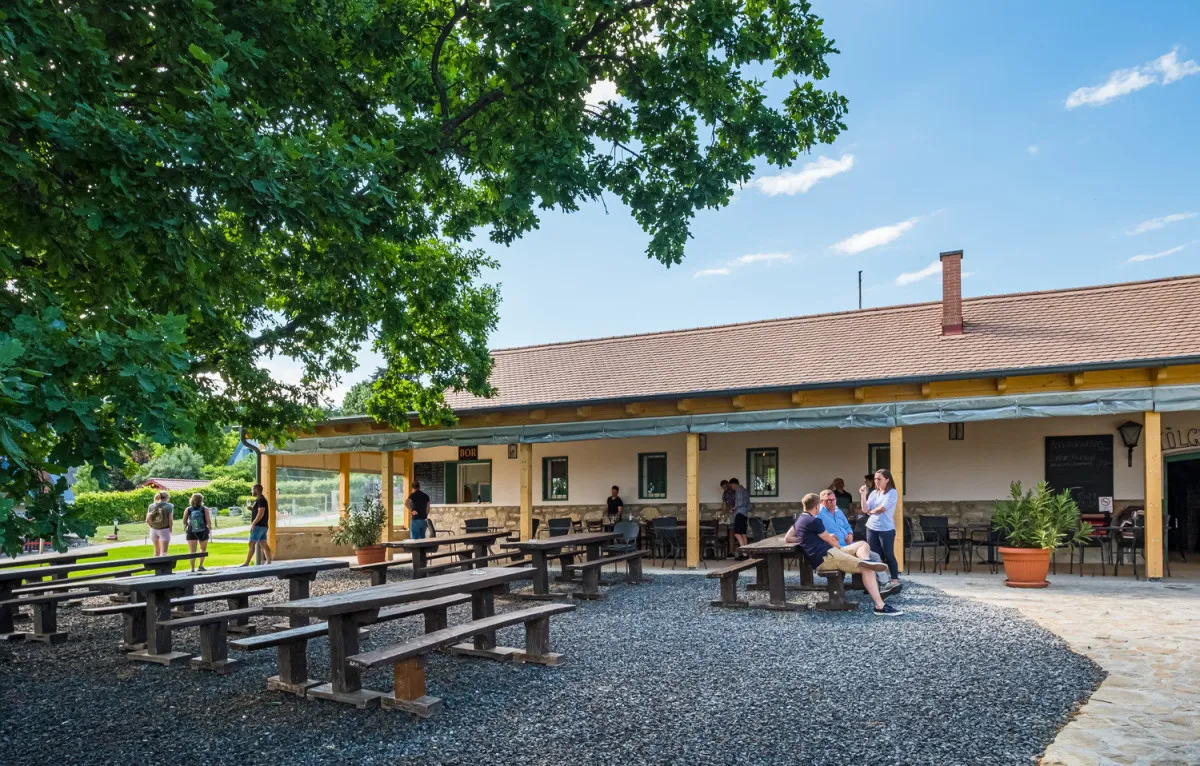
(130, 532)
(219, 555)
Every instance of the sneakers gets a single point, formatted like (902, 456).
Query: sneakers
(875, 566)
(201, 569)
(891, 589)
(888, 611)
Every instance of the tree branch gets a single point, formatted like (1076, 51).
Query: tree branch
(459, 13)
(601, 24)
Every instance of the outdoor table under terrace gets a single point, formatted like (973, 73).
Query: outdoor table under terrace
(69, 557)
(346, 611)
(541, 549)
(773, 550)
(10, 579)
(477, 544)
(157, 592)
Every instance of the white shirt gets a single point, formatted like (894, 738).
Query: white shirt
(886, 521)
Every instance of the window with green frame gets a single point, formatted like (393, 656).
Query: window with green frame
(880, 456)
(467, 481)
(762, 472)
(554, 478)
(652, 475)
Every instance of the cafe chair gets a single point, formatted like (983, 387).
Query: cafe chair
(666, 538)
(1132, 539)
(626, 541)
(559, 527)
(756, 528)
(922, 541)
(781, 524)
(711, 542)
(475, 525)
(939, 527)
(1100, 538)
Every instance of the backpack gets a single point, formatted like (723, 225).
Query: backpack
(160, 516)
(195, 519)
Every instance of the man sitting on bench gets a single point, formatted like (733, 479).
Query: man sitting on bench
(838, 525)
(822, 551)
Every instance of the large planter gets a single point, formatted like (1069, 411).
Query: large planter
(372, 554)
(1026, 567)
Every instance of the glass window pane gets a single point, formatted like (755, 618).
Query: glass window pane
(764, 472)
(554, 478)
(652, 472)
(475, 482)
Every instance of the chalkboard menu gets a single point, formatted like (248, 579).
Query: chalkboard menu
(432, 477)
(1082, 464)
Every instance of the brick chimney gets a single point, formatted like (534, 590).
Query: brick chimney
(952, 318)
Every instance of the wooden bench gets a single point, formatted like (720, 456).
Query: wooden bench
(472, 562)
(835, 589)
(57, 585)
(292, 644)
(234, 599)
(591, 572)
(135, 613)
(378, 571)
(729, 580)
(214, 649)
(45, 613)
(408, 659)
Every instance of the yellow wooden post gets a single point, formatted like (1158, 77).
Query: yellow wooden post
(344, 484)
(897, 469)
(406, 469)
(385, 493)
(268, 482)
(1152, 430)
(693, 500)
(525, 452)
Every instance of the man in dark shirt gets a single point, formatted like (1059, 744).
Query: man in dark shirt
(615, 505)
(260, 527)
(418, 503)
(823, 554)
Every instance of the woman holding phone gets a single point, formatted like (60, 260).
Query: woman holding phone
(880, 507)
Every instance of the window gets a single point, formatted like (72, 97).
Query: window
(463, 481)
(958, 432)
(762, 472)
(652, 475)
(554, 478)
(880, 456)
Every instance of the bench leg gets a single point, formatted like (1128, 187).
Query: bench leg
(241, 624)
(566, 575)
(408, 690)
(729, 597)
(346, 680)
(186, 610)
(591, 584)
(633, 571)
(835, 588)
(6, 614)
(537, 644)
(378, 576)
(45, 624)
(293, 670)
(435, 619)
(214, 650)
(135, 631)
(484, 644)
(806, 573)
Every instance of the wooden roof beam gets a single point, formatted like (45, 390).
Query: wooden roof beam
(685, 405)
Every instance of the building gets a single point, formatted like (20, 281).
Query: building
(958, 398)
(175, 485)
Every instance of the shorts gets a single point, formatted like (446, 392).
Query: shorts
(163, 535)
(839, 559)
(416, 529)
(740, 522)
(258, 534)
(198, 536)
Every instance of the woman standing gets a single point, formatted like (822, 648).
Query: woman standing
(197, 523)
(160, 517)
(880, 507)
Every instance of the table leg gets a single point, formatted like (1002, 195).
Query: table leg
(775, 589)
(6, 613)
(158, 639)
(418, 563)
(346, 680)
(567, 575)
(483, 604)
(297, 589)
(541, 575)
(760, 576)
(480, 550)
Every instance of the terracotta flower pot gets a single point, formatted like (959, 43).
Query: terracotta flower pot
(1026, 567)
(372, 554)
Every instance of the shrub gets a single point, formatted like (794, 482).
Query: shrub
(180, 462)
(223, 493)
(126, 507)
(243, 469)
(362, 527)
(1040, 518)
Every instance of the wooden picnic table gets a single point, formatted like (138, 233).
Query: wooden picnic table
(540, 548)
(12, 578)
(68, 557)
(773, 550)
(157, 592)
(477, 542)
(346, 611)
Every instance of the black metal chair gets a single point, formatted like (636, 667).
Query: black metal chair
(559, 527)
(939, 527)
(990, 540)
(1101, 538)
(666, 537)
(1131, 539)
(860, 527)
(475, 525)
(711, 542)
(781, 524)
(626, 541)
(921, 541)
(756, 528)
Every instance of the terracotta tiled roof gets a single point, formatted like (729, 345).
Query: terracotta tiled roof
(175, 485)
(1076, 328)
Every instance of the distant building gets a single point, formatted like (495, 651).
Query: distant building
(175, 485)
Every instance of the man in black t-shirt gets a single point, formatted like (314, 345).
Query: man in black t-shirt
(260, 527)
(418, 503)
(615, 505)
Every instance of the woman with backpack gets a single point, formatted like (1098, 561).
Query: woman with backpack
(160, 516)
(197, 523)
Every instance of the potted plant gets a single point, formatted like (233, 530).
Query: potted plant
(361, 528)
(1033, 524)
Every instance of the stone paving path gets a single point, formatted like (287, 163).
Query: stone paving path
(1146, 635)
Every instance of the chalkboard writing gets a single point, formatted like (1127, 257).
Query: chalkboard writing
(1082, 464)
(432, 477)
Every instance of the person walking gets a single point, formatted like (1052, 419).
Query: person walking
(160, 517)
(741, 512)
(880, 507)
(418, 503)
(259, 527)
(197, 526)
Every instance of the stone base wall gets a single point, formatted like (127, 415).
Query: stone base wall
(307, 543)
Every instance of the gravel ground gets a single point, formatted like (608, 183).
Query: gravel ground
(653, 675)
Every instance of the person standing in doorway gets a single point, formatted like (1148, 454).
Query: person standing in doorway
(418, 503)
(845, 501)
(259, 527)
(160, 517)
(880, 507)
(741, 512)
(616, 506)
(196, 525)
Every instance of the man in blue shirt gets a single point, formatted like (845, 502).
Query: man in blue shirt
(821, 549)
(838, 525)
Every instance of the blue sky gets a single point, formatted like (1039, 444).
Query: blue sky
(1054, 143)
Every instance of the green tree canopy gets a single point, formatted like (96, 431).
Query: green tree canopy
(192, 190)
(180, 462)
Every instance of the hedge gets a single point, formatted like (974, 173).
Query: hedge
(130, 507)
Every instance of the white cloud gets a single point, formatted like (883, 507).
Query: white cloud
(1157, 223)
(1163, 70)
(916, 276)
(746, 260)
(875, 237)
(602, 90)
(713, 272)
(1152, 256)
(799, 182)
(1033, 149)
